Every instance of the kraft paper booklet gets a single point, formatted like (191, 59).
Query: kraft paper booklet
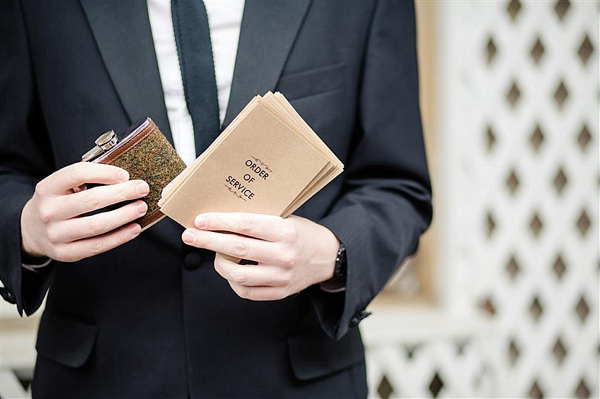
(268, 161)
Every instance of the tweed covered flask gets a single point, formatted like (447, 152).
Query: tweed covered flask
(147, 155)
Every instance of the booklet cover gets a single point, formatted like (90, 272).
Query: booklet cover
(268, 161)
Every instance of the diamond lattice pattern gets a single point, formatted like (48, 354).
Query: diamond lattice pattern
(518, 121)
(540, 183)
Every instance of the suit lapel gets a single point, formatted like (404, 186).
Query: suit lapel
(267, 34)
(124, 37)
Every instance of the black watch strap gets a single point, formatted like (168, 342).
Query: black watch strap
(341, 265)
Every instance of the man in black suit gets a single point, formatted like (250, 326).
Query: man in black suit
(154, 317)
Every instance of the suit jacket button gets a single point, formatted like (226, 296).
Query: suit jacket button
(357, 318)
(7, 295)
(192, 260)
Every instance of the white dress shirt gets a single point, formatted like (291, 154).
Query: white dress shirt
(224, 21)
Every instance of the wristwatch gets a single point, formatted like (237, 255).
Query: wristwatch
(341, 266)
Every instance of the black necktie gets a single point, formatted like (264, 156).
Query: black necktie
(192, 35)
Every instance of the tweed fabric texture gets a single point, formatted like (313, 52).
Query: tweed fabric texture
(154, 160)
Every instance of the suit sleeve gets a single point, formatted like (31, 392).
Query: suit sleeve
(386, 199)
(24, 159)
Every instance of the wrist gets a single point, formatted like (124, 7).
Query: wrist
(329, 248)
(332, 269)
(29, 253)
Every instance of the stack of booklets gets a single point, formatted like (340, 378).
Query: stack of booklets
(268, 161)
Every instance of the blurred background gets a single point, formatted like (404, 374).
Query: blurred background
(502, 298)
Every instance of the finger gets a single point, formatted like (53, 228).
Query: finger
(265, 227)
(251, 275)
(72, 176)
(259, 293)
(96, 245)
(94, 225)
(72, 205)
(234, 245)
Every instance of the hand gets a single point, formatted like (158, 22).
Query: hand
(51, 225)
(292, 253)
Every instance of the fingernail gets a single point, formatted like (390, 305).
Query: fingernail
(142, 188)
(123, 175)
(142, 208)
(200, 221)
(187, 237)
(136, 230)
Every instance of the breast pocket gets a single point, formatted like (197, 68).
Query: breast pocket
(312, 82)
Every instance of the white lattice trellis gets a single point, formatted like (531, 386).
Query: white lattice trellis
(526, 176)
(518, 142)
(419, 353)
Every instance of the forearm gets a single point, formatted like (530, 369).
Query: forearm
(26, 288)
(379, 230)
(385, 202)
(24, 155)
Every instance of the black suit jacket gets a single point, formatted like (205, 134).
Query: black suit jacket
(152, 318)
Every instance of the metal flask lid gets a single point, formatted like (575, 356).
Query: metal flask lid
(104, 142)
